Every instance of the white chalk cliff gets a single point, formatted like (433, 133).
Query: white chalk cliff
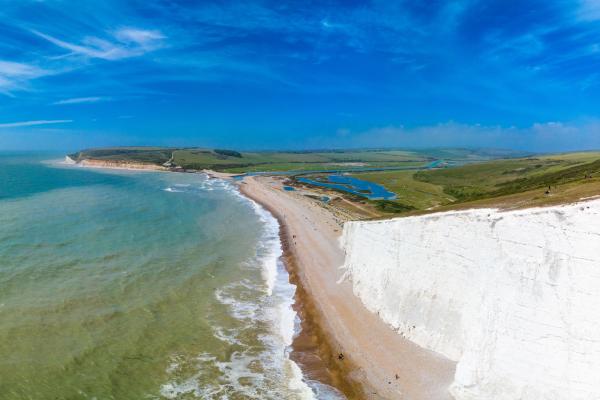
(513, 297)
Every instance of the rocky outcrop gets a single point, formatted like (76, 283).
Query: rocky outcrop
(513, 296)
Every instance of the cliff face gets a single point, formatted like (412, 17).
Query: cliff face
(513, 297)
(119, 164)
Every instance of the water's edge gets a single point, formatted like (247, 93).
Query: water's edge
(312, 349)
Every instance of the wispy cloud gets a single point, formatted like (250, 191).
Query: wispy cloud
(15, 75)
(147, 39)
(123, 43)
(35, 123)
(82, 100)
(589, 10)
(389, 63)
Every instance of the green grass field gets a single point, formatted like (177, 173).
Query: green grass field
(150, 155)
(288, 161)
(265, 161)
(240, 162)
(524, 180)
(485, 177)
(420, 195)
(503, 177)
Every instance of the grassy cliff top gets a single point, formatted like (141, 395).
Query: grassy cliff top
(236, 161)
(465, 178)
(505, 183)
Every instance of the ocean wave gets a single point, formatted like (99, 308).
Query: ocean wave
(250, 371)
(227, 335)
(236, 377)
(232, 296)
(270, 250)
(281, 293)
(172, 190)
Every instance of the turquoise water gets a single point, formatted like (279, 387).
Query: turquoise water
(140, 285)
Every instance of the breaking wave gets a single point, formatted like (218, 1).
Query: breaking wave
(261, 309)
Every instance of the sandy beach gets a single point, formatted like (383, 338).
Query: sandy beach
(365, 356)
(374, 358)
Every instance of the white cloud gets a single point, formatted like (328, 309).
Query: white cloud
(8, 68)
(95, 47)
(15, 75)
(539, 137)
(82, 100)
(127, 42)
(589, 10)
(34, 123)
(143, 38)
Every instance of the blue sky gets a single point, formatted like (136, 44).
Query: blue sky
(302, 74)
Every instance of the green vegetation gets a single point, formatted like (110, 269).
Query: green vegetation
(510, 182)
(504, 177)
(485, 177)
(331, 166)
(390, 206)
(416, 194)
(239, 162)
(150, 155)
(228, 153)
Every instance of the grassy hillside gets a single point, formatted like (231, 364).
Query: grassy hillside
(414, 193)
(228, 160)
(150, 155)
(484, 177)
(237, 162)
(285, 161)
(513, 182)
(503, 177)
(234, 161)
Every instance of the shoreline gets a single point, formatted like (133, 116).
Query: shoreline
(311, 349)
(341, 343)
(310, 346)
(365, 358)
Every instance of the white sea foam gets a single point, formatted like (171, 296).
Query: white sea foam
(234, 376)
(172, 190)
(283, 315)
(60, 162)
(270, 373)
(227, 335)
(271, 248)
(239, 309)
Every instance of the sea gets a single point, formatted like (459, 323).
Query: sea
(120, 284)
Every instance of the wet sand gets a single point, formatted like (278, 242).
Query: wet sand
(365, 358)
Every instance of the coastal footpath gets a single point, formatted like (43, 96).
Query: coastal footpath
(511, 296)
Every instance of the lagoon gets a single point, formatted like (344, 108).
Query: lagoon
(370, 190)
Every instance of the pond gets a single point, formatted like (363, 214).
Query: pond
(352, 185)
